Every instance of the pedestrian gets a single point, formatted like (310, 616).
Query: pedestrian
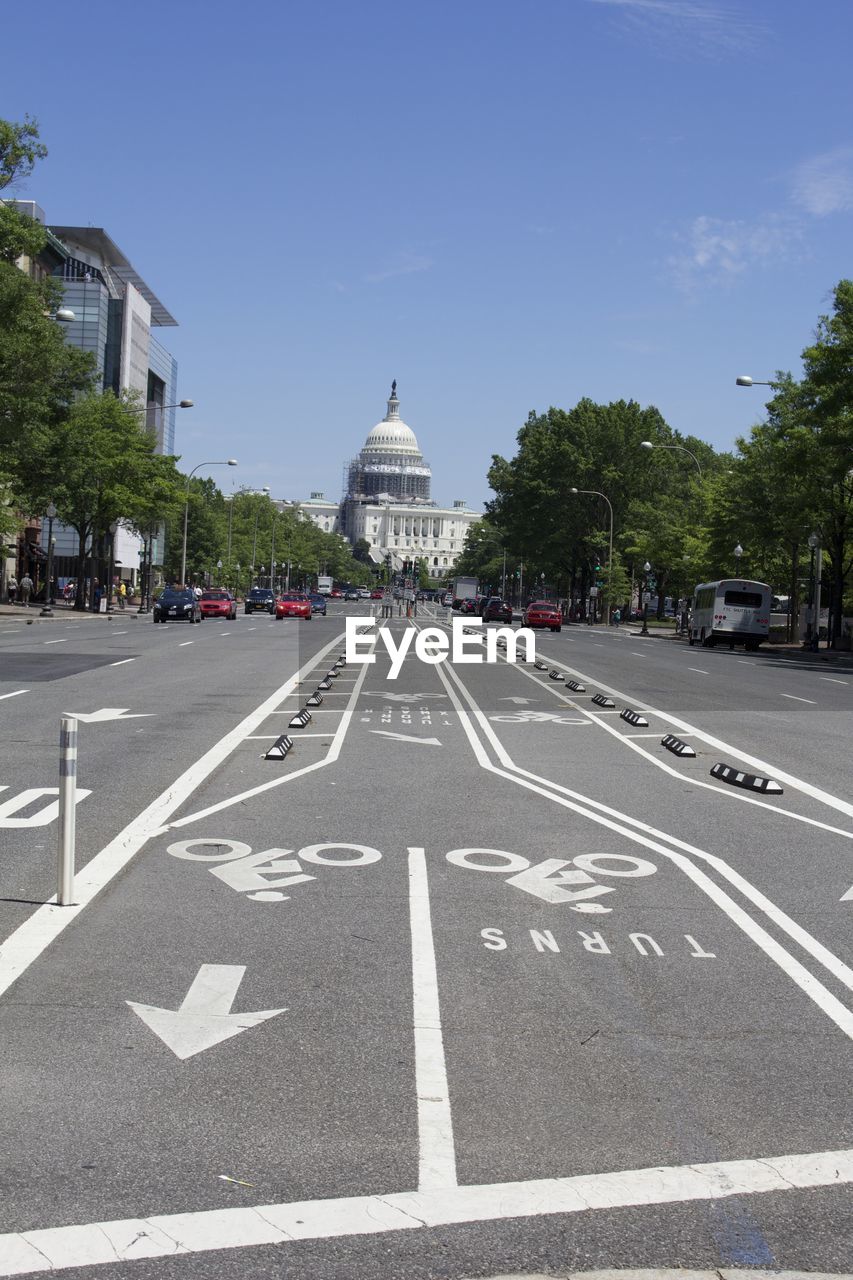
(12, 588)
(617, 617)
(96, 596)
(122, 594)
(26, 590)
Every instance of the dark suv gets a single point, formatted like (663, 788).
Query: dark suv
(497, 610)
(260, 598)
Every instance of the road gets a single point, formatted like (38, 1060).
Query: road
(477, 979)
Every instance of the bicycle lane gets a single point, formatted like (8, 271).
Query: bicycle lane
(608, 1008)
(230, 1021)
(790, 855)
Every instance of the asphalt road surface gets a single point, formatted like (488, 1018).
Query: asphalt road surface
(477, 979)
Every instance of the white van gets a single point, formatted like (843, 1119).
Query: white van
(732, 611)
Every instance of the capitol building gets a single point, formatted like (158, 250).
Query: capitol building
(387, 501)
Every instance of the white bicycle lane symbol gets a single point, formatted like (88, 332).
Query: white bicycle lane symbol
(558, 880)
(262, 876)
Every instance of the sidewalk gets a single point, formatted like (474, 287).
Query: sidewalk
(63, 612)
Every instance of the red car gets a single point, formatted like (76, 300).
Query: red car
(376, 595)
(218, 604)
(293, 604)
(539, 613)
(336, 594)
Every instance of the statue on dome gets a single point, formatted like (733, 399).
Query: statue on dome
(393, 388)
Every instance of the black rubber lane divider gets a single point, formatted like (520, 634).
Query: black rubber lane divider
(300, 720)
(279, 748)
(676, 746)
(601, 700)
(333, 674)
(751, 781)
(315, 700)
(555, 675)
(340, 662)
(540, 665)
(575, 686)
(324, 684)
(634, 717)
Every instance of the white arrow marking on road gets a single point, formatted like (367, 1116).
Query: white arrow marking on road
(108, 713)
(204, 1018)
(848, 896)
(406, 737)
(521, 702)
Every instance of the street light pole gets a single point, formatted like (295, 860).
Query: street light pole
(231, 462)
(647, 444)
(113, 528)
(599, 494)
(737, 553)
(47, 611)
(647, 568)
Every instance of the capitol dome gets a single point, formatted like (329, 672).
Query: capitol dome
(392, 435)
(390, 462)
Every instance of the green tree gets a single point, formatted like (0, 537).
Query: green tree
(99, 466)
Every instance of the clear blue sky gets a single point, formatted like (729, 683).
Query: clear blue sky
(505, 206)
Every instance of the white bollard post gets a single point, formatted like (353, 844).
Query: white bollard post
(67, 810)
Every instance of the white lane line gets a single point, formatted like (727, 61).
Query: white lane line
(123, 661)
(184, 643)
(684, 726)
(330, 757)
(437, 1153)
(174, 1234)
(794, 698)
(16, 694)
(816, 949)
(826, 1001)
(634, 654)
(56, 641)
(654, 735)
(32, 937)
(225, 633)
(273, 737)
(698, 671)
(743, 662)
(832, 680)
(251, 628)
(118, 633)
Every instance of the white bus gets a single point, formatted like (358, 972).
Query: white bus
(731, 612)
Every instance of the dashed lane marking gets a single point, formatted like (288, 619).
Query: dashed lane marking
(65, 641)
(794, 698)
(123, 661)
(832, 680)
(698, 671)
(15, 694)
(184, 643)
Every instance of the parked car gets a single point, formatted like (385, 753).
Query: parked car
(497, 610)
(218, 604)
(293, 604)
(540, 613)
(177, 604)
(318, 603)
(259, 598)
